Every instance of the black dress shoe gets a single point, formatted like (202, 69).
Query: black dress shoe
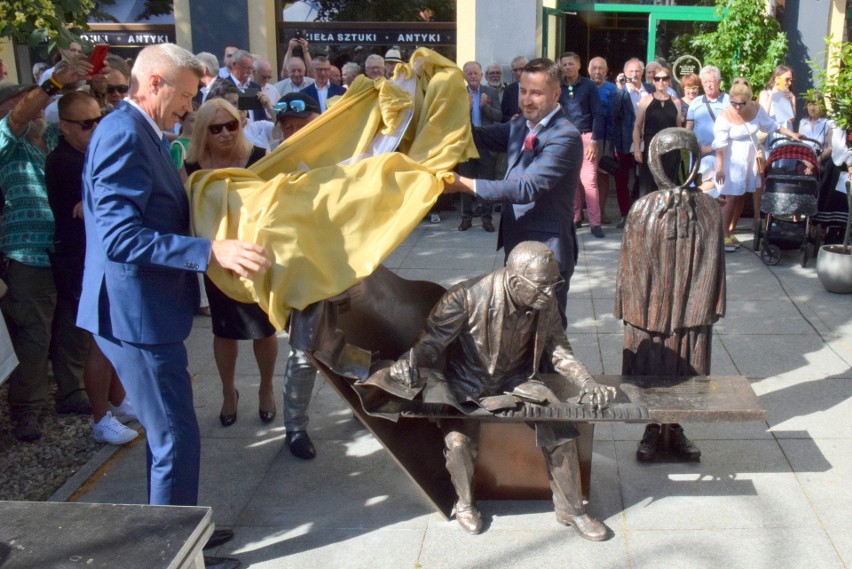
(228, 420)
(300, 445)
(465, 225)
(218, 537)
(487, 226)
(211, 562)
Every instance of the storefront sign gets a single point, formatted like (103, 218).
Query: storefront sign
(373, 37)
(128, 38)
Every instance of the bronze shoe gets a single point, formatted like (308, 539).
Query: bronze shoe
(587, 526)
(468, 517)
(648, 445)
(682, 446)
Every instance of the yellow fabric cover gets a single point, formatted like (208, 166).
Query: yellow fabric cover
(327, 224)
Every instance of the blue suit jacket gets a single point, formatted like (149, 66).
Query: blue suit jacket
(333, 90)
(139, 283)
(540, 183)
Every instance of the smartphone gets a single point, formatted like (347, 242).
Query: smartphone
(98, 56)
(299, 34)
(248, 101)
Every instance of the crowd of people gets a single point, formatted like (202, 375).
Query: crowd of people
(91, 216)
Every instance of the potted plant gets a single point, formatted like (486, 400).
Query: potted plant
(834, 262)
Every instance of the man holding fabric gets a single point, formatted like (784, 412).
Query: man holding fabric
(545, 153)
(139, 288)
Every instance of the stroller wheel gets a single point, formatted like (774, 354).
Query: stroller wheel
(770, 254)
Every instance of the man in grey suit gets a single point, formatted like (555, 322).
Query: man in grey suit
(484, 111)
(545, 152)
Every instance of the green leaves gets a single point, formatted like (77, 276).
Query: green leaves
(747, 42)
(32, 22)
(834, 82)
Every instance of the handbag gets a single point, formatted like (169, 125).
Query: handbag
(759, 158)
(609, 163)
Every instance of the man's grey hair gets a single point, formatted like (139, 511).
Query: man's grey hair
(238, 56)
(494, 65)
(375, 59)
(209, 61)
(163, 58)
(469, 63)
(635, 60)
(350, 68)
(520, 60)
(710, 69)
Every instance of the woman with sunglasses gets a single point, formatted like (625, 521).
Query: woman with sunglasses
(218, 142)
(656, 112)
(736, 145)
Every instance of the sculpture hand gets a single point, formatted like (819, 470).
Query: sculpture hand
(597, 396)
(405, 373)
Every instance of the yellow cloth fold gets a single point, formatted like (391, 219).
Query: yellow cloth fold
(327, 214)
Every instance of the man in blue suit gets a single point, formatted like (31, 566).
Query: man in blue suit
(322, 89)
(545, 152)
(140, 290)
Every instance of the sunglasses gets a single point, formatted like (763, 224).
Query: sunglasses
(738, 104)
(297, 106)
(117, 89)
(662, 78)
(87, 124)
(230, 125)
(570, 91)
(542, 289)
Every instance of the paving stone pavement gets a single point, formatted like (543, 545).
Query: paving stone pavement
(765, 495)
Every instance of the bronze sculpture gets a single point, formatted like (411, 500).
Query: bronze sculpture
(494, 331)
(670, 287)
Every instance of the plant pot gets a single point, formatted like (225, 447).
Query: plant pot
(834, 268)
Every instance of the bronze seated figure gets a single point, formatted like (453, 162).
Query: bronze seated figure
(495, 331)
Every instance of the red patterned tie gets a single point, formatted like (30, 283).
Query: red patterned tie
(529, 142)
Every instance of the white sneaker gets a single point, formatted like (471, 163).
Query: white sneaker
(124, 412)
(109, 430)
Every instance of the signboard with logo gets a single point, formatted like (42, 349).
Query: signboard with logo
(686, 65)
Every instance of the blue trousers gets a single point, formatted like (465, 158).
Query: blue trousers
(156, 379)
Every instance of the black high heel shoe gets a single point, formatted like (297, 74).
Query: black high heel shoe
(228, 420)
(267, 416)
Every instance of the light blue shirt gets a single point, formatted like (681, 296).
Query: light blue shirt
(702, 119)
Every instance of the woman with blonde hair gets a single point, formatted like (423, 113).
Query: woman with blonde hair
(218, 142)
(736, 145)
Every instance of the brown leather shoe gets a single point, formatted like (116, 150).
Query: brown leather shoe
(468, 517)
(465, 225)
(587, 526)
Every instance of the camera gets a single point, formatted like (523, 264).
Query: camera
(299, 34)
(622, 79)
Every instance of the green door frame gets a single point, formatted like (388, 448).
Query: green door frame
(656, 14)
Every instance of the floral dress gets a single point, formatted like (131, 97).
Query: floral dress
(740, 142)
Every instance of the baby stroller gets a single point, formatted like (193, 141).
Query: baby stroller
(791, 187)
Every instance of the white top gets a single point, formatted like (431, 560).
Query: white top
(740, 142)
(286, 86)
